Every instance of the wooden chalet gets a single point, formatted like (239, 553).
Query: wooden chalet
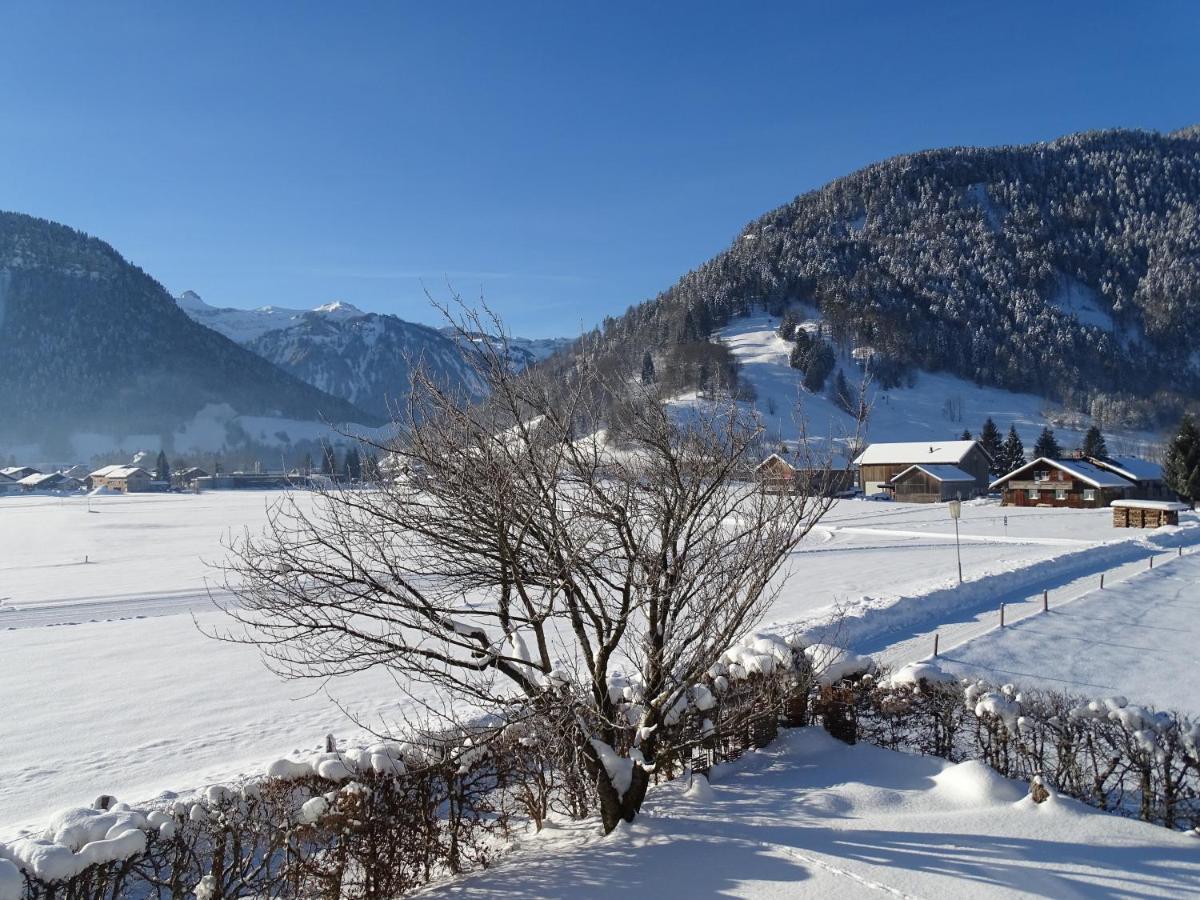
(1146, 513)
(934, 483)
(1073, 483)
(879, 464)
(126, 479)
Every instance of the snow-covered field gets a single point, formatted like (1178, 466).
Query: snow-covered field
(108, 684)
(1135, 639)
(812, 817)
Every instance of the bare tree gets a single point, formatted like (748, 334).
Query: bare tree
(522, 563)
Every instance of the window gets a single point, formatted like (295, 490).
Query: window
(1032, 493)
(1041, 475)
(1060, 494)
(1089, 493)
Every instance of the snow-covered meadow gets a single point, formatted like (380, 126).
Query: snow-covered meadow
(109, 685)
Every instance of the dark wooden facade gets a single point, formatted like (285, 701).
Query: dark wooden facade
(1050, 486)
(918, 486)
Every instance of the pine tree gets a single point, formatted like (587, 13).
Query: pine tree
(1093, 443)
(821, 361)
(162, 468)
(1181, 464)
(647, 368)
(991, 442)
(1047, 445)
(787, 328)
(841, 393)
(306, 465)
(966, 435)
(1012, 452)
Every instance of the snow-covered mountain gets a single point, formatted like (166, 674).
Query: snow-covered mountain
(365, 358)
(97, 355)
(245, 325)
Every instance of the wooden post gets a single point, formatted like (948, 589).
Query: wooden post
(1180, 552)
(1152, 562)
(1001, 615)
(1045, 601)
(935, 644)
(1101, 581)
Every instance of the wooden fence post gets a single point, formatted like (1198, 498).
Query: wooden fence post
(1101, 581)
(935, 644)
(1045, 601)
(1152, 562)
(1001, 615)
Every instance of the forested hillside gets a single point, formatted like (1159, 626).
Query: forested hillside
(92, 344)
(1070, 269)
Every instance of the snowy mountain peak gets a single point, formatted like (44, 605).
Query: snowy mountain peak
(340, 309)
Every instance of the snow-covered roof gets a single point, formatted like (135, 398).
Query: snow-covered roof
(939, 472)
(1166, 505)
(1131, 467)
(105, 470)
(914, 452)
(5, 478)
(1076, 468)
(39, 479)
(775, 457)
(19, 471)
(124, 471)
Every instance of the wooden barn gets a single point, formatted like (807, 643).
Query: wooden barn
(879, 464)
(776, 474)
(1070, 483)
(1146, 477)
(934, 483)
(1146, 513)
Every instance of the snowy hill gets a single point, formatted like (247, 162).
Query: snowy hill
(938, 406)
(1066, 269)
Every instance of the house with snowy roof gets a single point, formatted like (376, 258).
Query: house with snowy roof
(880, 464)
(8, 485)
(1146, 477)
(50, 481)
(1074, 483)
(16, 473)
(127, 479)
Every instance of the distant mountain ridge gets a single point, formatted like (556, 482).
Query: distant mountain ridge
(92, 346)
(365, 358)
(1069, 269)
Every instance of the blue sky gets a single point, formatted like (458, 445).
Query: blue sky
(562, 162)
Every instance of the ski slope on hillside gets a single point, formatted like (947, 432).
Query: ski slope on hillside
(938, 407)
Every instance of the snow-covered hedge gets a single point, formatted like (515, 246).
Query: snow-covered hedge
(1109, 753)
(377, 821)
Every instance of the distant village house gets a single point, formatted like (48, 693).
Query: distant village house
(880, 465)
(1074, 483)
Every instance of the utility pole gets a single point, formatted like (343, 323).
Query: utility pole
(955, 512)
